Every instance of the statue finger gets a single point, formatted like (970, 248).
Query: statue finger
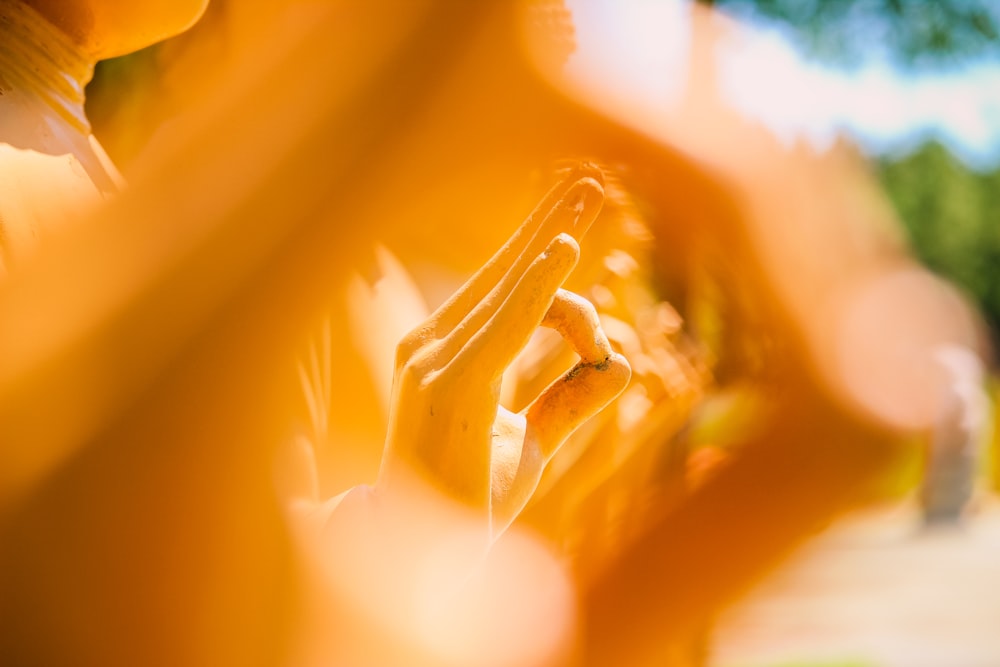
(571, 205)
(494, 345)
(583, 391)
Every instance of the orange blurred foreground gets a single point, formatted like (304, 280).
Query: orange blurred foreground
(148, 378)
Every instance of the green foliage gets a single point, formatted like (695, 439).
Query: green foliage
(952, 213)
(907, 32)
(953, 217)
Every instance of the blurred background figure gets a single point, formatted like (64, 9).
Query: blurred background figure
(959, 439)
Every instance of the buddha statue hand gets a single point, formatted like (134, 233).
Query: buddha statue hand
(446, 422)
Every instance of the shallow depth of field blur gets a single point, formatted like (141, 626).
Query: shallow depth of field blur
(902, 99)
(915, 88)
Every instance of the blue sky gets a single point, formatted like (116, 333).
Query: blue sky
(885, 110)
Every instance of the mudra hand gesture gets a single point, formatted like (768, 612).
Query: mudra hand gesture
(446, 423)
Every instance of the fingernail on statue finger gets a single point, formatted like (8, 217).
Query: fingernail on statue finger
(586, 198)
(562, 252)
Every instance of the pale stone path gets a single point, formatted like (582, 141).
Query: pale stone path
(876, 590)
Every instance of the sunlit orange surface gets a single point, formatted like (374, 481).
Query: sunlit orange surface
(196, 377)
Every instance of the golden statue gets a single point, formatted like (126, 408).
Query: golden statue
(148, 369)
(52, 169)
